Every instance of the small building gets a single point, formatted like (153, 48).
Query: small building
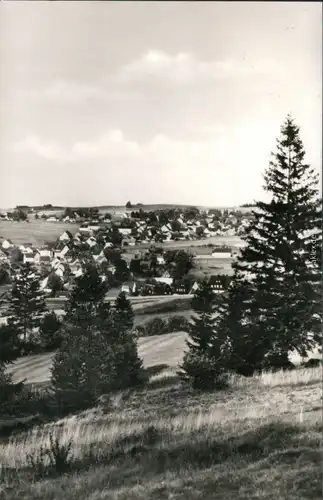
(6, 244)
(91, 241)
(129, 287)
(220, 282)
(161, 260)
(166, 281)
(3, 256)
(66, 236)
(221, 253)
(29, 257)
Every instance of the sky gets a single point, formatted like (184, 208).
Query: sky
(170, 102)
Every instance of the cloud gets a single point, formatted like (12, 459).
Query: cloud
(184, 68)
(161, 150)
(48, 150)
(217, 166)
(158, 69)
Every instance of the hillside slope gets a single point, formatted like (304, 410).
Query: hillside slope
(159, 349)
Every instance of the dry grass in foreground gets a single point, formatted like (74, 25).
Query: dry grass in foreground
(258, 440)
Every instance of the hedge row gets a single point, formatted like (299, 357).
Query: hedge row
(158, 326)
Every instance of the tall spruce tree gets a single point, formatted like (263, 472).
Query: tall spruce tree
(27, 301)
(282, 263)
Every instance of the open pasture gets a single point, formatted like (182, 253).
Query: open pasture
(34, 232)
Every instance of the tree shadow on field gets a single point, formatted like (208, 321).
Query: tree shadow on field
(268, 444)
(162, 382)
(156, 369)
(151, 452)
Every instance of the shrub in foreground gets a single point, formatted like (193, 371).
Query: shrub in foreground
(203, 372)
(56, 458)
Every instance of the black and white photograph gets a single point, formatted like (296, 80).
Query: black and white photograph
(160, 250)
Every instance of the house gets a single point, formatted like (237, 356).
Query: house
(166, 274)
(161, 260)
(108, 244)
(112, 268)
(29, 257)
(52, 219)
(7, 244)
(43, 256)
(64, 252)
(167, 281)
(195, 286)
(99, 258)
(220, 282)
(125, 231)
(44, 286)
(86, 231)
(128, 241)
(25, 248)
(66, 236)
(3, 256)
(180, 288)
(221, 253)
(60, 270)
(91, 241)
(216, 283)
(78, 272)
(166, 229)
(74, 265)
(129, 287)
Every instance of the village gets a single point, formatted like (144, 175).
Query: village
(158, 252)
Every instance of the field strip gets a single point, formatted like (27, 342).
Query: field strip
(160, 349)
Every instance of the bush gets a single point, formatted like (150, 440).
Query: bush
(159, 326)
(177, 323)
(203, 372)
(155, 326)
(57, 458)
(50, 332)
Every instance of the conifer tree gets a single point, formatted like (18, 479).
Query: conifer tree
(86, 304)
(282, 262)
(50, 332)
(98, 352)
(27, 302)
(123, 312)
(129, 367)
(83, 368)
(202, 326)
(204, 363)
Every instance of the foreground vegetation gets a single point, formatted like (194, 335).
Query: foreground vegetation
(260, 439)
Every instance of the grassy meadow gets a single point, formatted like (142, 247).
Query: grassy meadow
(158, 349)
(34, 232)
(260, 439)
